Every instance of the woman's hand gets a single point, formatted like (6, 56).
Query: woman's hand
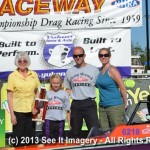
(13, 119)
(69, 127)
(34, 111)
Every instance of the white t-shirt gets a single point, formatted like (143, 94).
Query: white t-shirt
(81, 81)
(58, 103)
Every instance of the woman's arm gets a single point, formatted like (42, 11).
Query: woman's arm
(10, 104)
(114, 73)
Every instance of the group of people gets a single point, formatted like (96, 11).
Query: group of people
(79, 84)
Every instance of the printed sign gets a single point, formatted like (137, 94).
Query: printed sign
(138, 90)
(69, 14)
(58, 48)
(51, 52)
(2, 128)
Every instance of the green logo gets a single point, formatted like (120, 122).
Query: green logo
(129, 83)
(2, 128)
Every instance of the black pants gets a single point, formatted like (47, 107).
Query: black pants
(83, 109)
(53, 129)
(23, 129)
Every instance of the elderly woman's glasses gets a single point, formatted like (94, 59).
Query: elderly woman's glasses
(22, 61)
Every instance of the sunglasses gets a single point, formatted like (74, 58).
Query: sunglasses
(79, 55)
(103, 55)
(22, 61)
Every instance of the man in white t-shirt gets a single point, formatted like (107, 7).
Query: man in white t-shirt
(80, 80)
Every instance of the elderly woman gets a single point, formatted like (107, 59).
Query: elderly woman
(22, 88)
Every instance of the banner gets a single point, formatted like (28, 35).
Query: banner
(51, 51)
(68, 14)
(137, 90)
(2, 128)
(4, 106)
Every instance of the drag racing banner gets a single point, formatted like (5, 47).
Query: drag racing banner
(51, 51)
(30, 15)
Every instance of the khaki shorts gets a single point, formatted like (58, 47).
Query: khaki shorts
(110, 117)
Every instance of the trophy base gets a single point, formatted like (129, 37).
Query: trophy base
(38, 120)
(39, 99)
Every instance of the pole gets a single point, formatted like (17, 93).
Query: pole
(147, 33)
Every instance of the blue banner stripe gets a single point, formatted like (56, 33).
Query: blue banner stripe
(124, 71)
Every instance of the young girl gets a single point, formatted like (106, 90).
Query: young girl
(57, 108)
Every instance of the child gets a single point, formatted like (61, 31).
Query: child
(58, 104)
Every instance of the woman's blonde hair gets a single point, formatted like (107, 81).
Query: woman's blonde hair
(58, 77)
(106, 49)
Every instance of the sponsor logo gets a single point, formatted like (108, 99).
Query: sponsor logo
(126, 3)
(2, 128)
(54, 103)
(5, 105)
(146, 131)
(58, 48)
(80, 79)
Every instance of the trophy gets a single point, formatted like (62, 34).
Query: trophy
(41, 116)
